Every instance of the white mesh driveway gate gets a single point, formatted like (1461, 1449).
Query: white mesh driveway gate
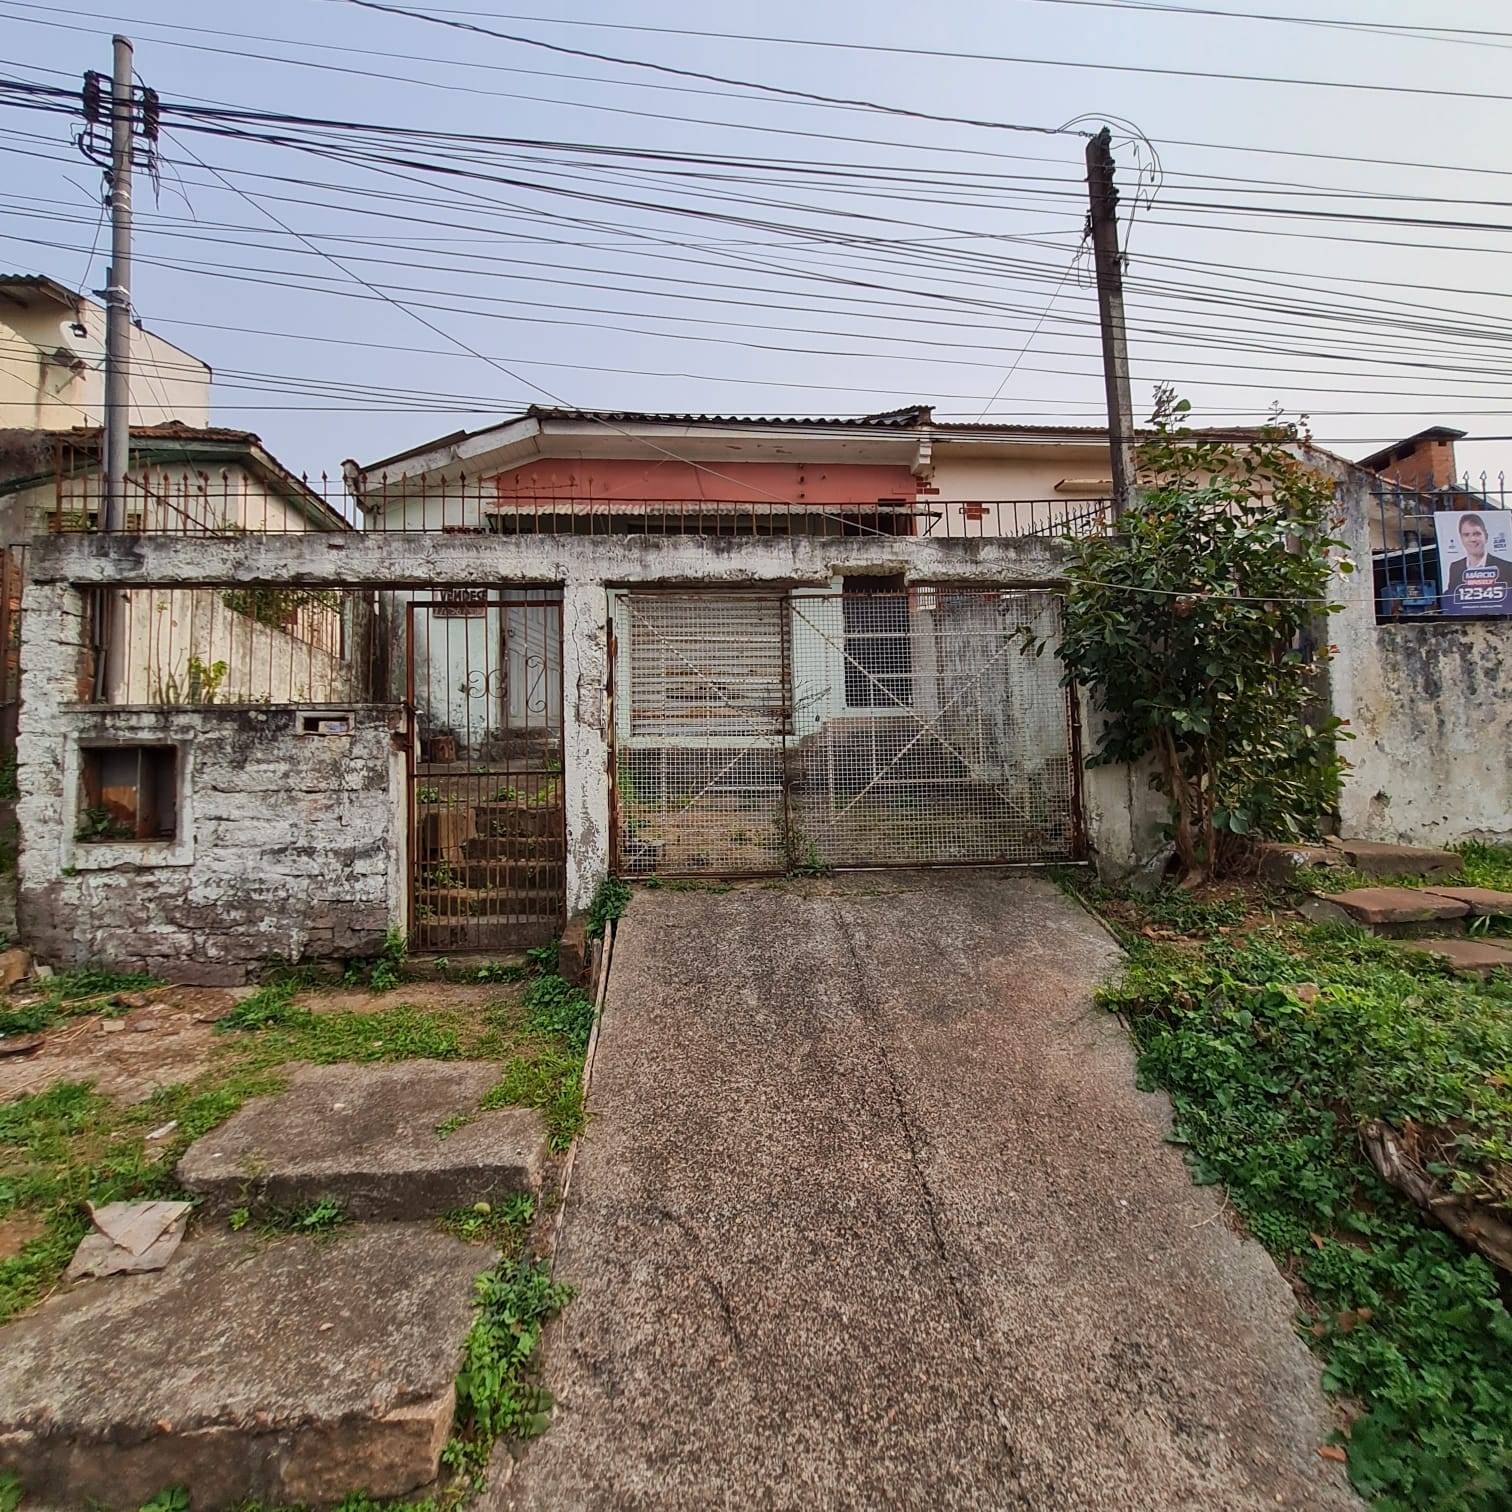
(764, 732)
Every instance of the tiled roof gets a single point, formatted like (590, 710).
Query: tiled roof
(898, 419)
(169, 430)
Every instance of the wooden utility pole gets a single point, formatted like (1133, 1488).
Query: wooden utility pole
(1103, 220)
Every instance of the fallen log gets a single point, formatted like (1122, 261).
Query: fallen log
(1469, 1221)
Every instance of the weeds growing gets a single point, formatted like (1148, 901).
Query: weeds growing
(1275, 1049)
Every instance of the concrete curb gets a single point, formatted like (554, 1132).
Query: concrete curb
(604, 957)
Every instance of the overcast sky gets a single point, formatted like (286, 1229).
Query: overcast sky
(939, 264)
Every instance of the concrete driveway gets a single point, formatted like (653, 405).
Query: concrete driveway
(870, 1214)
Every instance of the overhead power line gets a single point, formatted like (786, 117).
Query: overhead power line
(1150, 69)
(453, 86)
(1423, 29)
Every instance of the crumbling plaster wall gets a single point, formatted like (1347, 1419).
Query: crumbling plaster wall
(1430, 705)
(288, 846)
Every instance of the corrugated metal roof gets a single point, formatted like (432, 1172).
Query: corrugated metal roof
(914, 417)
(43, 284)
(170, 430)
(194, 443)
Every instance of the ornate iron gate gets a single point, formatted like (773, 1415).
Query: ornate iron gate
(483, 684)
(756, 734)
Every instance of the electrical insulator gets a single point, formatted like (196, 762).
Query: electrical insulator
(152, 114)
(93, 95)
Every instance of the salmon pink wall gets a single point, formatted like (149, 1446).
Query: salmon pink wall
(742, 482)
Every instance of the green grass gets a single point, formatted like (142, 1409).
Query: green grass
(1487, 865)
(71, 1145)
(504, 1223)
(318, 1219)
(549, 1079)
(1270, 1087)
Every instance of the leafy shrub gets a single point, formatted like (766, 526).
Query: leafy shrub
(1191, 628)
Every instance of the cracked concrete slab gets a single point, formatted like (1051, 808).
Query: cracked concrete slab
(371, 1138)
(870, 1213)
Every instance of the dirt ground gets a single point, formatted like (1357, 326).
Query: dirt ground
(149, 1039)
(166, 1037)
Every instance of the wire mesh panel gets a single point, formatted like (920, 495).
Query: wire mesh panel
(488, 841)
(925, 732)
(890, 727)
(701, 712)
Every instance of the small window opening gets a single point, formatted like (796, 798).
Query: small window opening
(878, 646)
(130, 793)
(327, 722)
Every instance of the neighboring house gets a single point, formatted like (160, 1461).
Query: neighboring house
(52, 356)
(187, 480)
(52, 360)
(892, 696)
(1413, 480)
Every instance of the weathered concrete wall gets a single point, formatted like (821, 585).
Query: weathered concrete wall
(401, 560)
(1122, 814)
(288, 846)
(1430, 705)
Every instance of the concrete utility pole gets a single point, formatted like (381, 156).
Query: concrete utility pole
(118, 292)
(1103, 220)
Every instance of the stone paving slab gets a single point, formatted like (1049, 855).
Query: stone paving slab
(1376, 858)
(1483, 902)
(1385, 909)
(291, 1370)
(1468, 957)
(366, 1136)
(870, 1214)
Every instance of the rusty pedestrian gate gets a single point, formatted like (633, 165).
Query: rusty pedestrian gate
(765, 732)
(487, 841)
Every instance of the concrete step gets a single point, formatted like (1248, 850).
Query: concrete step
(366, 1137)
(506, 876)
(290, 1371)
(463, 903)
(1468, 957)
(1391, 911)
(501, 818)
(519, 847)
(1279, 860)
(1373, 858)
(488, 934)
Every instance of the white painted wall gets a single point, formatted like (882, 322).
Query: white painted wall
(39, 391)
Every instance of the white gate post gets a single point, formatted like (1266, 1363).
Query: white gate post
(585, 737)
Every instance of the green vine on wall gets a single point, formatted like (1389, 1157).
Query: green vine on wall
(278, 608)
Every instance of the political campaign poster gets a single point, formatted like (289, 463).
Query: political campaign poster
(1475, 561)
